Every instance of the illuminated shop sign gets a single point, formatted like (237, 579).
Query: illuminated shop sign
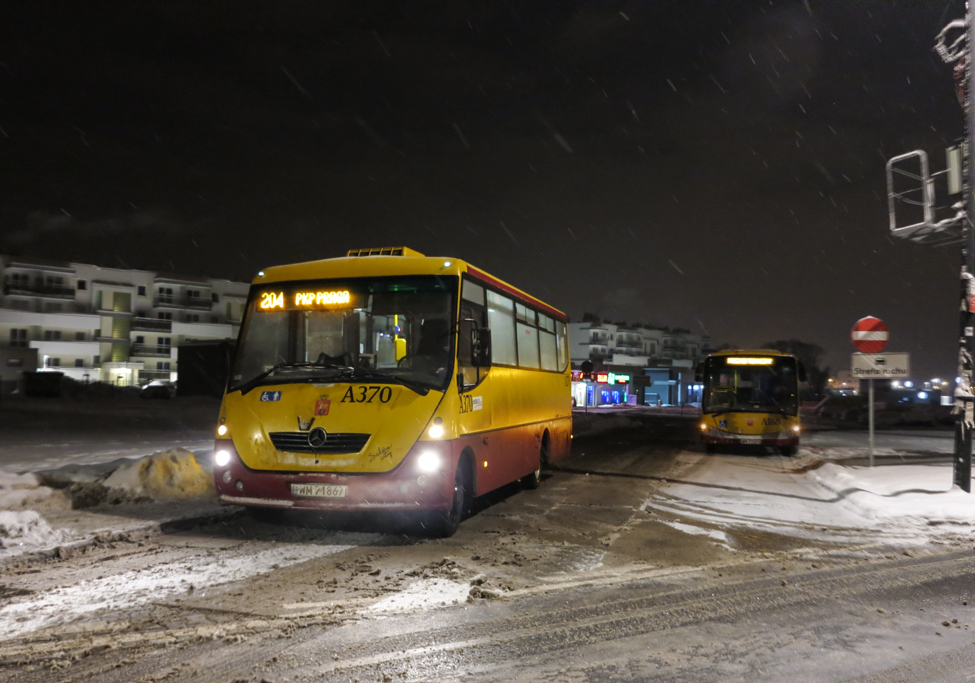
(279, 301)
(611, 378)
(749, 361)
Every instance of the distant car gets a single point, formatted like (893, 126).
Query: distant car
(159, 388)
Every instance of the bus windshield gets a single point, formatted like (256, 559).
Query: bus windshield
(394, 329)
(756, 385)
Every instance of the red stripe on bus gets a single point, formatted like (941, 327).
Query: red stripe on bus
(481, 275)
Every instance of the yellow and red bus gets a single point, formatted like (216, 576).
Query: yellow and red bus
(750, 398)
(389, 380)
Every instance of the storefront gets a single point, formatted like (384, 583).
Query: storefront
(604, 389)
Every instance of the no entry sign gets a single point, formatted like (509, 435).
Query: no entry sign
(870, 335)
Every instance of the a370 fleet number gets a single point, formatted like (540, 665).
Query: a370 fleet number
(367, 394)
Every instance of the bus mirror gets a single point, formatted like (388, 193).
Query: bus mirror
(480, 347)
(801, 371)
(699, 373)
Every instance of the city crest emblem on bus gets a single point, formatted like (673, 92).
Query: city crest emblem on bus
(322, 405)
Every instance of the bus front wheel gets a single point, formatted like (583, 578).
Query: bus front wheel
(534, 480)
(444, 523)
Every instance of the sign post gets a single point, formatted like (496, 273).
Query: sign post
(869, 336)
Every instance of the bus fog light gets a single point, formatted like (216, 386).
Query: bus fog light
(221, 458)
(239, 485)
(429, 461)
(227, 476)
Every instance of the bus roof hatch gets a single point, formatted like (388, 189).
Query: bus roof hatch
(384, 251)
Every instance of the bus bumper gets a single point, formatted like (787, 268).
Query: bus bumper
(405, 488)
(784, 439)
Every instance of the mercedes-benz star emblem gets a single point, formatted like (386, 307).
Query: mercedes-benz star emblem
(317, 437)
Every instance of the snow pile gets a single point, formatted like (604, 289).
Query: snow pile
(817, 496)
(167, 474)
(921, 495)
(20, 490)
(27, 529)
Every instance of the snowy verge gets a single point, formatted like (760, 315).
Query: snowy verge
(27, 500)
(907, 500)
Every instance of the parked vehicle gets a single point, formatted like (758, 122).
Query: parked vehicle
(158, 388)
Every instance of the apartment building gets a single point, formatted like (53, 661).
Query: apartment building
(644, 365)
(108, 324)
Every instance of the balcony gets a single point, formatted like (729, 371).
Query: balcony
(113, 340)
(49, 291)
(152, 325)
(192, 302)
(151, 350)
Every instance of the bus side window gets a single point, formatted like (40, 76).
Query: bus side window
(472, 316)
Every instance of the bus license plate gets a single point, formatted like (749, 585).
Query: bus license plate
(750, 439)
(318, 490)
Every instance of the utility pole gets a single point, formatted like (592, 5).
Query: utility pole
(962, 225)
(964, 399)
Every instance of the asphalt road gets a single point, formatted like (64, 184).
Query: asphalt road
(576, 581)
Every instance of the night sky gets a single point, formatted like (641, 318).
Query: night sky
(713, 166)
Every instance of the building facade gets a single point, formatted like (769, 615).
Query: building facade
(111, 325)
(641, 365)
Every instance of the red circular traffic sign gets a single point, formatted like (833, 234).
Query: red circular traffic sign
(870, 335)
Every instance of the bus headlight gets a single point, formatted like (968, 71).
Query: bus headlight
(704, 426)
(795, 428)
(221, 458)
(429, 462)
(222, 430)
(436, 429)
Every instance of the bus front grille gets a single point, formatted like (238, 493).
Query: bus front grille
(299, 442)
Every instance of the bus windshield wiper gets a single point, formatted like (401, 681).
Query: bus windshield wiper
(251, 383)
(256, 381)
(366, 373)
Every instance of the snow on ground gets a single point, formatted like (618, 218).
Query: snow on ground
(424, 594)
(821, 495)
(158, 582)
